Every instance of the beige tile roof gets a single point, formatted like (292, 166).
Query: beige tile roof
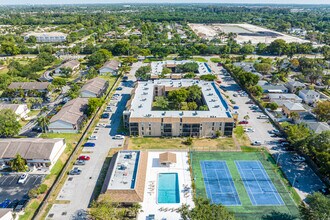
(28, 148)
(113, 64)
(72, 111)
(95, 86)
(29, 85)
(167, 157)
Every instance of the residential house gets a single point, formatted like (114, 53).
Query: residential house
(111, 66)
(69, 119)
(71, 64)
(318, 127)
(269, 88)
(39, 153)
(47, 36)
(6, 214)
(284, 96)
(31, 89)
(290, 107)
(21, 110)
(309, 96)
(293, 86)
(94, 88)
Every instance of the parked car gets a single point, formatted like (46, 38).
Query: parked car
(105, 115)
(256, 143)
(119, 88)
(298, 159)
(249, 102)
(249, 130)
(236, 107)
(13, 204)
(75, 171)
(37, 129)
(21, 205)
(80, 162)
(125, 78)
(23, 178)
(93, 137)
(84, 157)
(119, 137)
(262, 117)
(89, 144)
(235, 94)
(243, 122)
(274, 131)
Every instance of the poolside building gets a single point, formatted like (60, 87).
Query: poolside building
(141, 120)
(125, 179)
(167, 159)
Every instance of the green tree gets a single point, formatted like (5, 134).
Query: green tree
(143, 73)
(99, 57)
(194, 93)
(9, 126)
(32, 40)
(92, 105)
(297, 134)
(43, 122)
(178, 96)
(208, 77)
(263, 68)
(317, 207)
(165, 72)
(66, 72)
(59, 82)
(204, 210)
(192, 106)
(104, 210)
(322, 110)
(18, 164)
(273, 106)
(161, 102)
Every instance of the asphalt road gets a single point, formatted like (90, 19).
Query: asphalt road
(300, 175)
(78, 189)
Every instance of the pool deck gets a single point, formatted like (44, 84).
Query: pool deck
(149, 204)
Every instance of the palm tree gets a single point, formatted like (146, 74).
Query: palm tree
(43, 122)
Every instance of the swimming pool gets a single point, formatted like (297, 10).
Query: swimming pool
(168, 188)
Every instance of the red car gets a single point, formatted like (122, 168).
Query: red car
(243, 122)
(84, 157)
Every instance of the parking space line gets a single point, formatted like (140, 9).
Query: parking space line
(5, 178)
(12, 180)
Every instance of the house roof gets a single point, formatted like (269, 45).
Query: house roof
(293, 106)
(28, 148)
(71, 112)
(309, 92)
(318, 127)
(13, 107)
(284, 96)
(95, 85)
(167, 157)
(29, 85)
(270, 87)
(4, 212)
(70, 64)
(112, 64)
(296, 84)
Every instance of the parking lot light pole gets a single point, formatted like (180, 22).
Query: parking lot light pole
(278, 158)
(294, 180)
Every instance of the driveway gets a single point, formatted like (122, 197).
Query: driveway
(300, 175)
(78, 190)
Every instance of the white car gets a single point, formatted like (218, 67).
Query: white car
(118, 137)
(262, 117)
(93, 137)
(298, 159)
(23, 178)
(256, 143)
(249, 130)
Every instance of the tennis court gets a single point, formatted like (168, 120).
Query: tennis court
(257, 183)
(219, 184)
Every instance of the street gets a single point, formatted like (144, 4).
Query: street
(78, 190)
(300, 175)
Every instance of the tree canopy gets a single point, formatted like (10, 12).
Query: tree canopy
(9, 126)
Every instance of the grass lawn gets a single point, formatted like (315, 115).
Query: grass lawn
(246, 210)
(4, 70)
(199, 59)
(224, 143)
(216, 60)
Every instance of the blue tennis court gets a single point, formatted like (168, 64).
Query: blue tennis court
(219, 184)
(257, 183)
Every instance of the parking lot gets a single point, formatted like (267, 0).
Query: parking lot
(10, 189)
(299, 174)
(78, 189)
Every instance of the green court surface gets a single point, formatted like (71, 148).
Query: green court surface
(246, 210)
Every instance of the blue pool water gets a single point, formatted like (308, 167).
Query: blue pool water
(168, 188)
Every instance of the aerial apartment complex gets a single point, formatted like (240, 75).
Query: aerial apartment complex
(143, 120)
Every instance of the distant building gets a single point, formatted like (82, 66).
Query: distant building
(39, 153)
(51, 37)
(269, 88)
(290, 107)
(71, 64)
(284, 96)
(293, 86)
(309, 96)
(21, 110)
(111, 66)
(94, 88)
(69, 119)
(297, 31)
(6, 214)
(318, 127)
(141, 120)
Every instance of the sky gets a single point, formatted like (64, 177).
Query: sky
(13, 2)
